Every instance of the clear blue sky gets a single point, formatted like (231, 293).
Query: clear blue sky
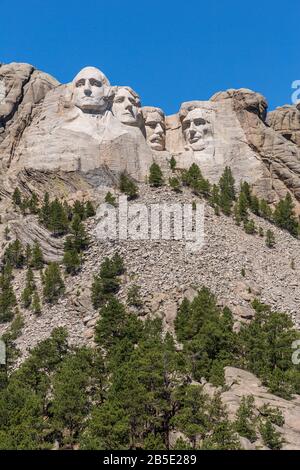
(168, 51)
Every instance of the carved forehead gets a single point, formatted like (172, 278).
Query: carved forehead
(126, 91)
(153, 113)
(91, 72)
(196, 114)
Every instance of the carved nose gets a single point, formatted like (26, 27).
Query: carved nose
(159, 129)
(128, 106)
(87, 91)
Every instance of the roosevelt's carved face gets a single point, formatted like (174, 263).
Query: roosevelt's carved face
(127, 107)
(90, 90)
(196, 128)
(155, 128)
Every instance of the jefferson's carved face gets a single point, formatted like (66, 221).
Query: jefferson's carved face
(155, 128)
(196, 128)
(127, 107)
(90, 90)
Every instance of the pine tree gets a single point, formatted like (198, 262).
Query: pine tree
(37, 261)
(80, 237)
(173, 163)
(71, 261)
(6, 233)
(249, 227)
(53, 283)
(110, 199)
(270, 239)
(29, 289)
(33, 203)
(174, 184)
(128, 187)
(79, 209)
(17, 199)
(7, 297)
(14, 254)
(155, 177)
(264, 210)
(134, 296)
(244, 423)
(227, 191)
(28, 255)
(284, 215)
(270, 436)
(36, 303)
(89, 209)
(44, 215)
(58, 221)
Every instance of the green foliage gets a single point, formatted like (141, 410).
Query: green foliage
(134, 296)
(245, 419)
(227, 191)
(71, 261)
(17, 198)
(36, 303)
(7, 297)
(173, 163)
(206, 332)
(110, 199)
(128, 187)
(174, 184)
(53, 283)
(107, 281)
(194, 179)
(249, 227)
(284, 215)
(270, 239)
(37, 261)
(270, 436)
(14, 254)
(265, 210)
(264, 347)
(89, 209)
(155, 177)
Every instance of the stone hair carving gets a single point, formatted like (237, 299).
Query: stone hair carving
(155, 127)
(91, 91)
(2, 90)
(127, 106)
(196, 127)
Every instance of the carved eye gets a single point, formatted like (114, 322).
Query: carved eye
(199, 122)
(95, 82)
(186, 125)
(151, 124)
(119, 99)
(80, 82)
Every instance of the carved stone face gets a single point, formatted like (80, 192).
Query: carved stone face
(90, 90)
(196, 128)
(127, 107)
(155, 128)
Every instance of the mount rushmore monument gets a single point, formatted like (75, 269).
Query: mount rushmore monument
(88, 131)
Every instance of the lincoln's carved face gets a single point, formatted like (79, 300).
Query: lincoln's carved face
(196, 128)
(127, 107)
(155, 127)
(90, 90)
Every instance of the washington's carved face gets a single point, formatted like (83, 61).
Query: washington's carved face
(196, 128)
(90, 90)
(127, 107)
(155, 128)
